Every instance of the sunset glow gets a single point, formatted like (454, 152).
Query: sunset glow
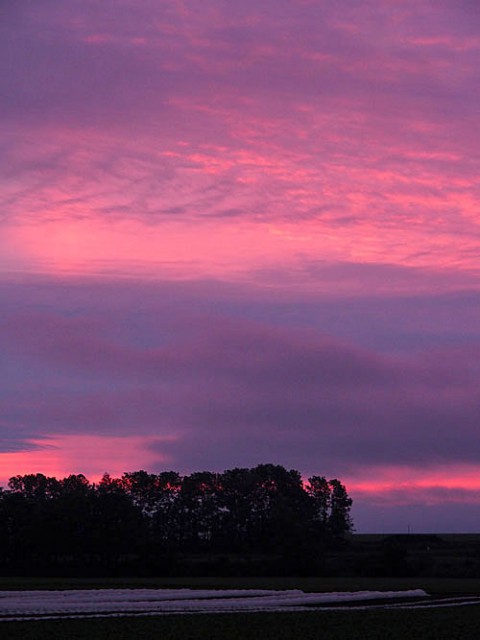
(60, 456)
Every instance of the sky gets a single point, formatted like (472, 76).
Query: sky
(240, 233)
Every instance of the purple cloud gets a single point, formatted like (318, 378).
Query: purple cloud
(235, 390)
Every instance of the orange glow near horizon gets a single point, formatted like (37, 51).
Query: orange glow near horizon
(62, 455)
(398, 484)
(91, 455)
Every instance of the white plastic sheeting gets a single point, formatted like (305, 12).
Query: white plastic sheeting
(32, 604)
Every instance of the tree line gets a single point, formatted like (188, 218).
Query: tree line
(257, 520)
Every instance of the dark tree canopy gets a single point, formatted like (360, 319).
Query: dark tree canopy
(261, 519)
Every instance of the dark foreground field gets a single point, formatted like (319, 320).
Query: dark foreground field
(459, 622)
(433, 624)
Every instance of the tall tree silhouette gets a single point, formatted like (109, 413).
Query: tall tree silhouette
(151, 522)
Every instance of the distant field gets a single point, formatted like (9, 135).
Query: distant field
(431, 585)
(450, 537)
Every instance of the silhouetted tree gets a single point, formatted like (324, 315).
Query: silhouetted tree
(339, 522)
(199, 504)
(148, 522)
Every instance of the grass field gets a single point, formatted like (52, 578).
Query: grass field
(437, 624)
